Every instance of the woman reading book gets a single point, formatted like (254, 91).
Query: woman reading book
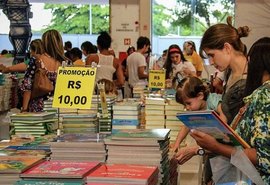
(254, 125)
(222, 45)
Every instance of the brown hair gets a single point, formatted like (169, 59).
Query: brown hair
(109, 86)
(190, 87)
(174, 48)
(37, 46)
(217, 35)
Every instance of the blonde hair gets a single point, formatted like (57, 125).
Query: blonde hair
(53, 45)
(110, 87)
(217, 35)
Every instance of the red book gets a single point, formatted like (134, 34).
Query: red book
(123, 173)
(61, 169)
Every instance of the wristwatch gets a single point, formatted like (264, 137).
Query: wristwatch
(201, 152)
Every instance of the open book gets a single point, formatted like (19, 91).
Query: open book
(209, 122)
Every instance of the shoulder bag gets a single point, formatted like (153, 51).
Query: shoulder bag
(42, 85)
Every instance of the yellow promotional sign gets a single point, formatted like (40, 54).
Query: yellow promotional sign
(157, 79)
(74, 87)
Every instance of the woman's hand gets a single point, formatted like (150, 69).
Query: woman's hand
(168, 83)
(186, 153)
(204, 140)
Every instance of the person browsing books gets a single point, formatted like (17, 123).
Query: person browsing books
(51, 59)
(254, 125)
(194, 95)
(106, 62)
(222, 45)
(177, 64)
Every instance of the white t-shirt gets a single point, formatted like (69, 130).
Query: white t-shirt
(134, 61)
(180, 67)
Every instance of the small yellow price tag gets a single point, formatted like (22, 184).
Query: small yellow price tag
(157, 79)
(74, 87)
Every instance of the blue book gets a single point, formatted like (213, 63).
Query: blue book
(209, 122)
(35, 147)
(134, 122)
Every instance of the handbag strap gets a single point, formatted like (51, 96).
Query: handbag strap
(40, 64)
(239, 115)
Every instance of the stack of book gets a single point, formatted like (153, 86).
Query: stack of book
(48, 106)
(124, 174)
(12, 166)
(126, 115)
(5, 92)
(172, 108)
(79, 147)
(141, 146)
(65, 111)
(61, 171)
(34, 124)
(154, 113)
(79, 123)
(104, 112)
(139, 90)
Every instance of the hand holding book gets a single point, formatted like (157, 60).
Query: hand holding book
(209, 123)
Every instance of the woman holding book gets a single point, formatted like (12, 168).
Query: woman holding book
(254, 125)
(222, 45)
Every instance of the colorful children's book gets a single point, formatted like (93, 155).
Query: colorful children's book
(49, 182)
(17, 164)
(124, 173)
(141, 134)
(30, 147)
(210, 123)
(80, 137)
(61, 169)
(31, 116)
(22, 153)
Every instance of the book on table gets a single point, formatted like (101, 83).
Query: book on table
(49, 182)
(124, 174)
(31, 116)
(209, 122)
(17, 164)
(61, 169)
(141, 134)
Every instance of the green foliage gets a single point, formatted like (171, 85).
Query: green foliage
(194, 17)
(74, 19)
(161, 16)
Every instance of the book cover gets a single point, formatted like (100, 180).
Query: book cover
(61, 169)
(210, 123)
(23, 153)
(127, 105)
(32, 116)
(29, 147)
(80, 137)
(123, 172)
(141, 134)
(17, 164)
(134, 122)
(48, 182)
